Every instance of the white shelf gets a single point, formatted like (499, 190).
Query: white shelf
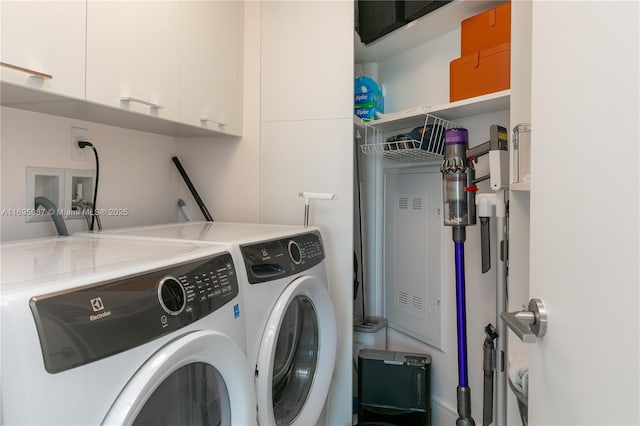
(491, 102)
(35, 100)
(359, 123)
(520, 186)
(427, 27)
(400, 120)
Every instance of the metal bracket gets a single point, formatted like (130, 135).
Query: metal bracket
(528, 325)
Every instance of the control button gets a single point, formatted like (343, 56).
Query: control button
(294, 252)
(172, 295)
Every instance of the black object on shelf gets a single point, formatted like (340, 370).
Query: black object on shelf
(394, 388)
(415, 9)
(377, 18)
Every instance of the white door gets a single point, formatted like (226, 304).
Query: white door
(200, 378)
(297, 355)
(584, 212)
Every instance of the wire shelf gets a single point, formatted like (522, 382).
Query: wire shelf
(423, 141)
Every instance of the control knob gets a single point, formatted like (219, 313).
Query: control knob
(172, 295)
(294, 252)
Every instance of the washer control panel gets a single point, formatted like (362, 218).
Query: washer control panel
(275, 259)
(85, 324)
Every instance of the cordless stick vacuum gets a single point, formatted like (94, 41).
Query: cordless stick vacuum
(459, 211)
(459, 198)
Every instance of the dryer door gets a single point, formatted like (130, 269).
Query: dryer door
(297, 355)
(200, 378)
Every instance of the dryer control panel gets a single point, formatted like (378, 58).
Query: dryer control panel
(85, 324)
(280, 258)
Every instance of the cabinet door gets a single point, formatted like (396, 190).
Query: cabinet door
(305, 72)
(210, 74)
(44, 37)
(132, 55)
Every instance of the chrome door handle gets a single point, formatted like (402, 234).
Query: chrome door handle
(528, 325)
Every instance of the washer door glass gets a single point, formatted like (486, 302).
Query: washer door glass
(194, 394)
(200, 378)
(295, 360)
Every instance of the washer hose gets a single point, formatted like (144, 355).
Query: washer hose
(58, 221)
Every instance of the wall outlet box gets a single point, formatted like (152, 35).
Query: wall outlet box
(77, 153)
(62, 187)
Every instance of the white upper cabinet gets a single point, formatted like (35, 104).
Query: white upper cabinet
(43, 45)
(168, 67)
(133, 56)
(210, 65)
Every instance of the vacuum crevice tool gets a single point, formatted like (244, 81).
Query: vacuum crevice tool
(485, 207)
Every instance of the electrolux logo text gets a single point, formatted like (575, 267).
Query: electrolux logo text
(97, 305)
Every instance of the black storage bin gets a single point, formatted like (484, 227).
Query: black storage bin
(377, 18)
(413, 9)
(394, 388)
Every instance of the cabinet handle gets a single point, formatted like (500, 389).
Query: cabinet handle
(205, 120)
(140, 101)
(33, 73)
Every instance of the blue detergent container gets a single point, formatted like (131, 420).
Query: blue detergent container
(367, 99)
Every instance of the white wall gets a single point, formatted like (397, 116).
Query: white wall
(306, 145)
(420, 76)
(136, 171)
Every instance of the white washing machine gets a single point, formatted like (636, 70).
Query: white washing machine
(120, 331)
(291, 324)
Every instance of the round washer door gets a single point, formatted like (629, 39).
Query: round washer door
(297, 355)
(200, 378)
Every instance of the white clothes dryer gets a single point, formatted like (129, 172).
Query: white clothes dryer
(117, 331)
(295, 351)
(290, 319)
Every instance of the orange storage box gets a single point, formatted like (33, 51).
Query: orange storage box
(482, 72)
(486, 29)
